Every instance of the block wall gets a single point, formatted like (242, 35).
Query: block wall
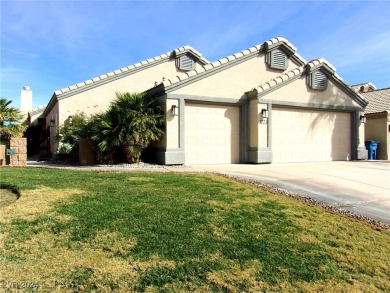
(20, 145)
(2, 155)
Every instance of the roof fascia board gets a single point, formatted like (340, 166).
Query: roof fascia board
(50, 105)
(299, 61)
(312, 105)
(194, 54)
(233, 60)
(334, 78)
(348, 90)
(38, 110)
(277, 86)
(282, 46)
(323, 66)
(109, 79)
(156, 91)
(381, 114)
(211, 71)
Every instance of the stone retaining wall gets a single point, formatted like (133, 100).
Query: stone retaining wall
(20, 145)
(2, 155)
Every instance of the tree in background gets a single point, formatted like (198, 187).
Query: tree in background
(131, 123)
(10, 121)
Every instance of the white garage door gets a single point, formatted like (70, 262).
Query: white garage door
(309, 135)
(211, 134)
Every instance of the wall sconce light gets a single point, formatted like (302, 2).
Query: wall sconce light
(52, 123)
(363, 119)
(70, 118)
(264, 116)
(175, 110)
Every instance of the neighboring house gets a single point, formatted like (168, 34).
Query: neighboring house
(35, 114)
(377, 126)
(261, 105)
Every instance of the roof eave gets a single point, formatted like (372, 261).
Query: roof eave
(50, 105)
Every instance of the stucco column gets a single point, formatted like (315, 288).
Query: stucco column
(361, 150)
(170, 149)
(259, 145)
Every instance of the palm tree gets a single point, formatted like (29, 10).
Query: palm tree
(10, 121)
(132, 122)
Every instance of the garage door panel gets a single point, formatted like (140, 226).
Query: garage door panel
(309, 135)
(212, 134)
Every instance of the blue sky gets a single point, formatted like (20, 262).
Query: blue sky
(52, 45)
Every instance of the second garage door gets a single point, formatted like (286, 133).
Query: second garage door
(211, 134)
(309, 135)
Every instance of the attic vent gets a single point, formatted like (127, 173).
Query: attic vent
(318, 80)
(185, 63)
(277, 59)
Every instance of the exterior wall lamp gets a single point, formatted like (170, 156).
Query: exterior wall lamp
(175, 110)
(52, 123)
(264, 116)
(70, 118)
(363, 119)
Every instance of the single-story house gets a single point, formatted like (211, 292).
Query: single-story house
(264, 104)
(377, 127)
(94, 95)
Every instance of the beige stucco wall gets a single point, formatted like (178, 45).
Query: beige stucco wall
(298, 91)
(234, 81)
(34, 118)
(53, 114)
(98, 99)
(377, 128)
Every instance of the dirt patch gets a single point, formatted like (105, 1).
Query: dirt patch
(7, 197)
(35, 203)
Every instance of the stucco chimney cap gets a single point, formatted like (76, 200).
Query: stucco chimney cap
(26, 88)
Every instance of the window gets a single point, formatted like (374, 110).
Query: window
(185, 63)
(277, 59)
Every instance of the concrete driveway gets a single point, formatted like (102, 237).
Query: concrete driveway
(362, 187)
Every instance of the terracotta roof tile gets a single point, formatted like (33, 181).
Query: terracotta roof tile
(378, 100)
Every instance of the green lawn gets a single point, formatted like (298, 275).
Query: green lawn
(78, 230)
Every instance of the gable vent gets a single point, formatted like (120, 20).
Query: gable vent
(318, 80)
(185, 63)
(277, 59)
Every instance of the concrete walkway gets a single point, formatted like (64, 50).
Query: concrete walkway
(362, 187)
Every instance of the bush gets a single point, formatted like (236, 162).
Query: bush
(69, 134)
(64, 151)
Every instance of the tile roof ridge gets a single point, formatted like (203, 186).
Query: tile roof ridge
(212, 65)
(128, 68)
(193, 51)
(279, 79)
(364, 83)
(38, 109)
(319, 61)
(377, 90)
(230, 58)
(281, 39)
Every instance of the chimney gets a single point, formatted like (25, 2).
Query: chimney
(25, 100)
